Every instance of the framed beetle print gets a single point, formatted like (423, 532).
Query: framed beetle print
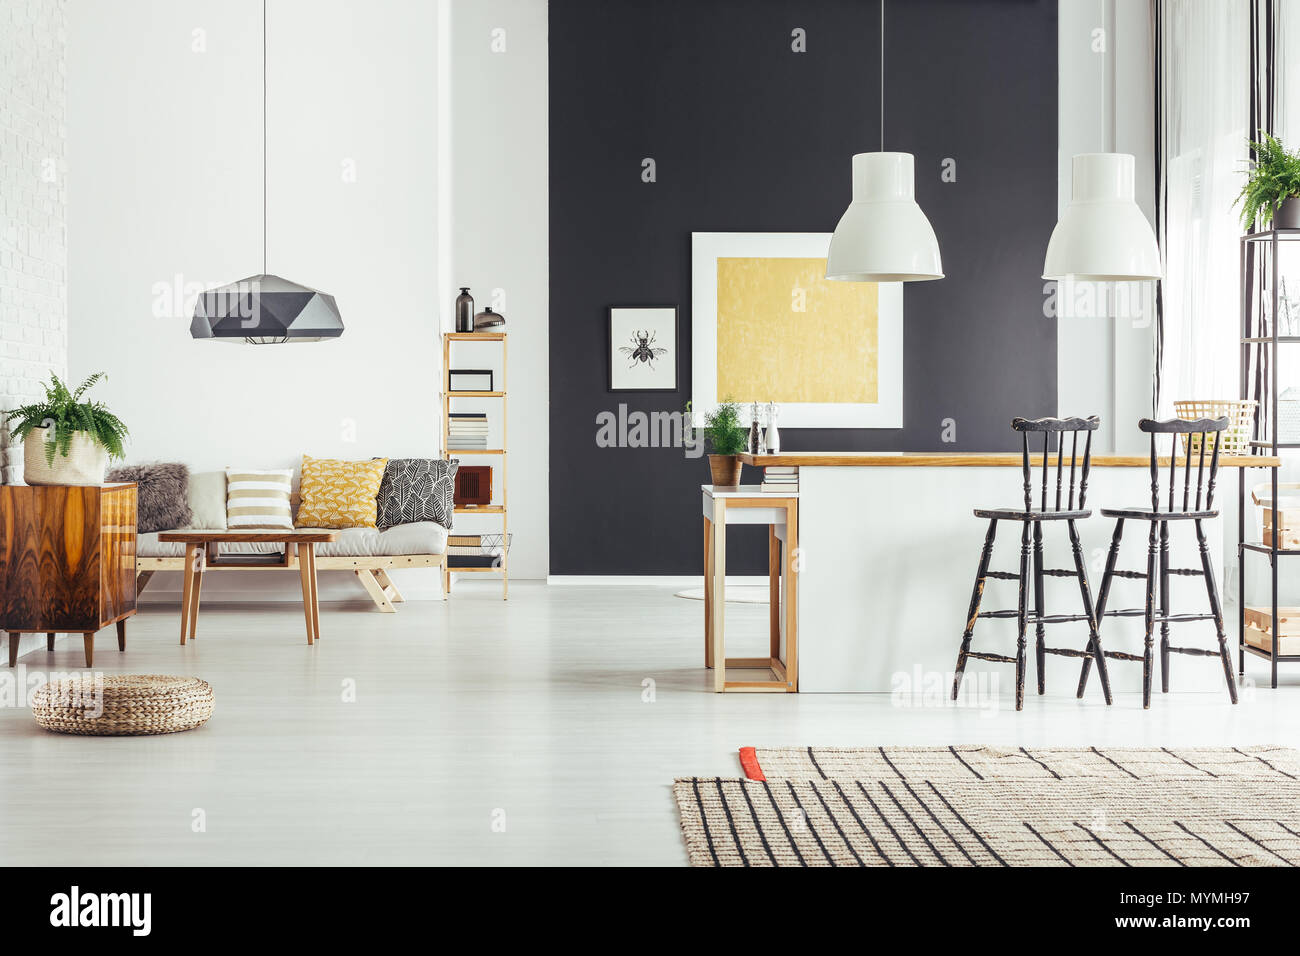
(643, 348)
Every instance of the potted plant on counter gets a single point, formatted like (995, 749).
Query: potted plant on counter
(66, 441)
(727, 438)
(1272, 190)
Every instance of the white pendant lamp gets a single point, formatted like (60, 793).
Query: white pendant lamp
(883, 236)
(1102, 235)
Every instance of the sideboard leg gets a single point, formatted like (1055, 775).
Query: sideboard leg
(121, 634)
(49, 642)
(89, 640)
(13, 648)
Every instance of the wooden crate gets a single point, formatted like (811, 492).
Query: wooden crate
(1259, 630)
(1288, 514)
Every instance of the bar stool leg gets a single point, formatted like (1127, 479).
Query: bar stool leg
(1022, 617)
(1099, 614)
(1153, 553)
(977, 594)
(1094, 633)
(1040, 630)
(1165, 604)
(1216, 609)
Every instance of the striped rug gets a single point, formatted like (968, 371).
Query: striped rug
(984, 806)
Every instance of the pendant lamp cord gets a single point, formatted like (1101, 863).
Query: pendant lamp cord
(882, 75)
(264, 137)
(1105, 48)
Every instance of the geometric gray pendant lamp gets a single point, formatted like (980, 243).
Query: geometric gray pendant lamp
(265, 309)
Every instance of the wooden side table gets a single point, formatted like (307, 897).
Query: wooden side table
(747, 504)
(201, 550)
(67, 561)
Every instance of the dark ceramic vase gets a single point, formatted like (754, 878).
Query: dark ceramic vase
(464, 311)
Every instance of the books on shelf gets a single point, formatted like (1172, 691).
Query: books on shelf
(467, 431)
(783, 479)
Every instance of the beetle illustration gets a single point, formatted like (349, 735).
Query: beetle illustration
(642, 349)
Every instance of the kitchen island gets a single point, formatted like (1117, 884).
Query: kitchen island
(888, 552)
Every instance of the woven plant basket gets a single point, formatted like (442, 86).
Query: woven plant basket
(123, 705)
(1241, 422)
(84, 464)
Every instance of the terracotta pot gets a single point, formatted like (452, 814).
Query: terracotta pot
(1287, 215)
(726, 470)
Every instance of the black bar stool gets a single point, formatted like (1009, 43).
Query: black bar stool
(1029, 517)
(1199, 432)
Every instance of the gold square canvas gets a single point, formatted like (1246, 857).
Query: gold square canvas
(787, 334)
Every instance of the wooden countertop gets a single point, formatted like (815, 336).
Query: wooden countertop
(876, 459)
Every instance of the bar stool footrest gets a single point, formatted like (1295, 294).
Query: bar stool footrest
(1066, 652)
(1002, 575)
(996, 658)
(1123, 656)
(1194, 651)
(1127, 612)
(1136, 575)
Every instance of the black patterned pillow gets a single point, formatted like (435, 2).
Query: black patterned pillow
(416, 489)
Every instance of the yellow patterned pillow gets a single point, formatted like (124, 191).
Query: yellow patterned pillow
(339, 494)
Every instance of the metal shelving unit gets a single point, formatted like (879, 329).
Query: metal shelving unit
(1266, 242)
(502, 509)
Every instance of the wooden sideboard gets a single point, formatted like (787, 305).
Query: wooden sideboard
(67, 561)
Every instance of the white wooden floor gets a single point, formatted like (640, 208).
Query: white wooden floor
(537, 715)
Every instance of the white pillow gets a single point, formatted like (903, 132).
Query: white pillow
(207, 495)
(258, 499)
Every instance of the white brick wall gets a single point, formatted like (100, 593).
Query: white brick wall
(33, 222)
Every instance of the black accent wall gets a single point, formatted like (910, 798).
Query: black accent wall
(749, 136)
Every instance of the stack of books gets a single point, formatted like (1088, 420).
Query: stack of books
(782, 480)
(467, 431)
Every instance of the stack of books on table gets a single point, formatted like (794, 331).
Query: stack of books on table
(781, 480)
(467, 431)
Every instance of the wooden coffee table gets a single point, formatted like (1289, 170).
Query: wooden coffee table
(201, 550)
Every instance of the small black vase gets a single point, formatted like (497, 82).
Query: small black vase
(464, 311)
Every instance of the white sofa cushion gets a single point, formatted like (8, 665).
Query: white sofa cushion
(420, 537)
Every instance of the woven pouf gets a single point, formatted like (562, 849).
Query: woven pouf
(123, 705)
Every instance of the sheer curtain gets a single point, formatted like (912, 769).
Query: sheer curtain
(1204, 109)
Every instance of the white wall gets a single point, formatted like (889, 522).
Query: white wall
(33, 231)
(165, 197)
(33, 221)
(500, 227)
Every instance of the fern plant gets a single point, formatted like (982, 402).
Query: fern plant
(723, 429)
(1274, 175)
(64, 413)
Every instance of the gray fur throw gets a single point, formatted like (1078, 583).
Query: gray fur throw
(162, 494)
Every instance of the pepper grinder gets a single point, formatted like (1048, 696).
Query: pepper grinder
(773, 437)
(753, 429)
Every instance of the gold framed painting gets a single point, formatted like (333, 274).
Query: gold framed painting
(767, 326)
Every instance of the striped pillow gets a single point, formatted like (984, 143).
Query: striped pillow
(258, 499)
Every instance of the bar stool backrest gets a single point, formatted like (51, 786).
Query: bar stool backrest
(1048, 427)
(1209, 431)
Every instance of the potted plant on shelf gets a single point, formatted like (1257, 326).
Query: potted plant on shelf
(1271, 193)
(727, 439)
(66, 441)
